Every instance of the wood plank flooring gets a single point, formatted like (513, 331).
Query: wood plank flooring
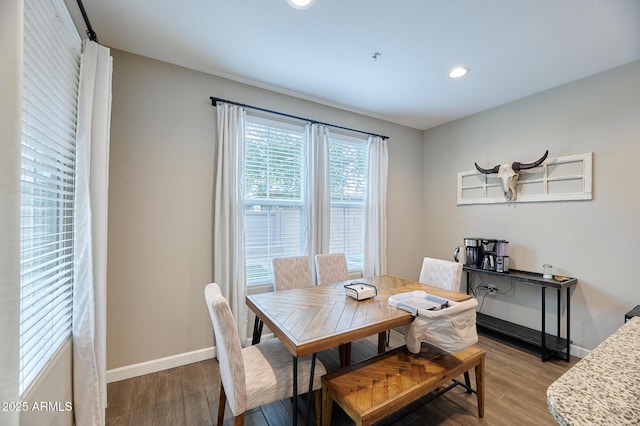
(516, 381)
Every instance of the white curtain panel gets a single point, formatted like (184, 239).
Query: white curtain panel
(228, 229)
(90, 263)
(317, 191)
(11, 15)
(375, 237)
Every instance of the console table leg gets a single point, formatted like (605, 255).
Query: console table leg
(544, 328)
(559, 312)
(568, 324)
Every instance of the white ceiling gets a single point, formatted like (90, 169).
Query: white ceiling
(514, 48)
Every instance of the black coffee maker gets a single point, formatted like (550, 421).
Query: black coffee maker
(502, 256)
(488, 255)
(473, 252)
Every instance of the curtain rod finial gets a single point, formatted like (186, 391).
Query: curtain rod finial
(92, 35)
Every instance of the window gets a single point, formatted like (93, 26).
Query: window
(348, 174)
(274, 211)
(49, 102)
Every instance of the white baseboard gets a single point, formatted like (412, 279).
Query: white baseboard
(155, 365)
(160, 364)
(579, 352)
(173, 361)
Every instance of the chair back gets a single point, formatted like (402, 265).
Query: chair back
(229, 349)
(441, 273)
(331, 268)
(291, 272)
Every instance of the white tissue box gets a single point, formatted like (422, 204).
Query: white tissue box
(360, 291)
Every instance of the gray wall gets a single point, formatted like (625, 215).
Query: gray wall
(161, 188)
(595, 241)
(160, 198)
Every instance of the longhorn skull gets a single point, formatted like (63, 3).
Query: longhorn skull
(508, 174)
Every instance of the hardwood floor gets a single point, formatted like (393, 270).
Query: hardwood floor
(516, 381)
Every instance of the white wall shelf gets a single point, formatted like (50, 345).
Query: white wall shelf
(557, 179)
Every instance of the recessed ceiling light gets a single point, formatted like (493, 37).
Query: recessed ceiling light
(300, 4)
(459, 72)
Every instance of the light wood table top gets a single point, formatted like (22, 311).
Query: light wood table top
(310, 320)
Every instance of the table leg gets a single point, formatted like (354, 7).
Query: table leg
(382, 342)
(344, 352)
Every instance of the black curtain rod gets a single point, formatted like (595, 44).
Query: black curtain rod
(92, 34)
(214, 102)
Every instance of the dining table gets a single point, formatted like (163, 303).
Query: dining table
(312, 319)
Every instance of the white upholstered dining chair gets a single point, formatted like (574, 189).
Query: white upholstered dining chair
(331, 268)
(258, 374)
(288, 272)
(441, 273)
(291, 272)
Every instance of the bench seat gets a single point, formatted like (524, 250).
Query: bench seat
(376, 388)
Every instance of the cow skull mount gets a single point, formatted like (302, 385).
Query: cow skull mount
(508, 174)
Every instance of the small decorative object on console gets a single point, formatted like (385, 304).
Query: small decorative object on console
(547, 271)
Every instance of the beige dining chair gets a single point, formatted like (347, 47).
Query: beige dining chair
(441, 273)
(331, 268)
(288, 272)
(291, 272)
(258, 374)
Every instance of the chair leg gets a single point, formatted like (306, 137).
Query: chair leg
(467, 381)
(257, 331)
(221, 404)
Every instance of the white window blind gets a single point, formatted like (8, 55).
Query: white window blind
(348, 175)
(49, 102)
(273, 175)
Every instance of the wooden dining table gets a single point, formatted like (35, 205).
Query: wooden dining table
(312, 319)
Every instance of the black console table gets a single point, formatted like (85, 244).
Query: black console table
(551, 345)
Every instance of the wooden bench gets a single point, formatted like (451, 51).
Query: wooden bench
(375, 388)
